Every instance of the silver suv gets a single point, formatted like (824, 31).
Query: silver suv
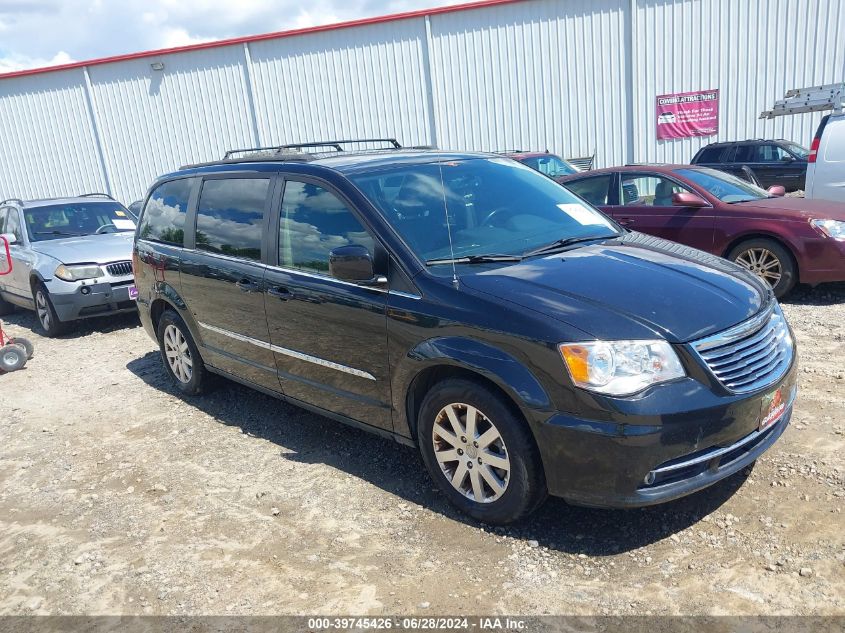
(71, 258)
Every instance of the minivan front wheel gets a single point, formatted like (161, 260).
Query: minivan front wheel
(479, 452)
(768, 260)
(179, 354)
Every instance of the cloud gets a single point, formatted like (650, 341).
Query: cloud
(38, 32)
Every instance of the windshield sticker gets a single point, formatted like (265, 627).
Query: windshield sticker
(119, 213)
(583, 215)
(124, 225)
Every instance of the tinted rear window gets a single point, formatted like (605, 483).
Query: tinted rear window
(230, 214)
(710, 155)
(164, 216)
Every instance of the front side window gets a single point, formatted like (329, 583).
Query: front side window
(770, 154)
(230, 214)
(725, 187)
(478, 206)
(313, 222)
(74, 219)
(594, 190)
(163, 219)
(648, 191)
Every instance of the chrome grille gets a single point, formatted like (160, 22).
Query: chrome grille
(119, 269)
(751, 355)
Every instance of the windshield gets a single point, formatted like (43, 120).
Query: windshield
(482, 206)
(799, 150)
(725, 187)
(73, 219)
(551, 165)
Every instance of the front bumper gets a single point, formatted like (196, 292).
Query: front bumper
(81, 300)
(608, 464)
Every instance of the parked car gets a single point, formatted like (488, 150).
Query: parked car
(826, 168)
(548, 164)
(467, 305)
(783, 240)
(776, 162)
(135, 208)
(71, 259)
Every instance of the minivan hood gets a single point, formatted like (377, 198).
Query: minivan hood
(634, 287)
(89, 249)
(798, 208)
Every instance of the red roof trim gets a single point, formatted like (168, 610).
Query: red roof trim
(259, 38)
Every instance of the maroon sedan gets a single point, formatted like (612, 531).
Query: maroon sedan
(783, 240)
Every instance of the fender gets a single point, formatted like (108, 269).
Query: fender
(507, 372)
(163, 291)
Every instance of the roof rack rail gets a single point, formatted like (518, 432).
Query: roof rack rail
(812, 99)
(335, 145)
(18, 201)
(96, 195)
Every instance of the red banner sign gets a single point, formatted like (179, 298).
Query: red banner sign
(687, 114)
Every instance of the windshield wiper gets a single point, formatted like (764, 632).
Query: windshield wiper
(563, 243)
(474, 259)
(57, 233)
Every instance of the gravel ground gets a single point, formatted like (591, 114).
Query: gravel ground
(118, 496)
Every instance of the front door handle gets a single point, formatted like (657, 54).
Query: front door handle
(280, 292)
(246, 285)
(625, 221)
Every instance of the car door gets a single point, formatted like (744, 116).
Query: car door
(329, 336)
(645, 204)
(772, 165)
(222, 274)
(16, 283)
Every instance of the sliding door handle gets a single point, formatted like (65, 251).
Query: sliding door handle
(247, 285)
(280, 292)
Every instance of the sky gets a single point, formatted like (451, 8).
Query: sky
(36, 33)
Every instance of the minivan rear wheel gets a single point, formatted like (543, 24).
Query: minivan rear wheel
(179, 354)
(479, 452)
(768, 260)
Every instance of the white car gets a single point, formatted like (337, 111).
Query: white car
(826, 163)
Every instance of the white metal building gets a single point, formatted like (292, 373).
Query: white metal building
(577, 77)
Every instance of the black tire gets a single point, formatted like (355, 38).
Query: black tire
(788, 270)
(47, 317)
(6, 308)
(25, 343)
(197, 377)
(12, 358)
(525, 487)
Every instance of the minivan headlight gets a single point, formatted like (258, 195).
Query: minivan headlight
(831, 228)
(75, 273)
(621, 368)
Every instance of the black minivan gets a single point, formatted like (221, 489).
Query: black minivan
(467, 305)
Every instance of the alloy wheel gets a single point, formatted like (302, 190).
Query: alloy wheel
(471, 452)
(42, 307)
(178, 354)
(763, 263)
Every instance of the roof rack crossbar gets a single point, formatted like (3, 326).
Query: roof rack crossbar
(96, 195)
(335, 145)
(18, 201)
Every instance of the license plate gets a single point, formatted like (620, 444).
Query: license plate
(133, 293)
(774, 404)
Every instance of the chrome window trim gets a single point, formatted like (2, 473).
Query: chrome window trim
(289, 352)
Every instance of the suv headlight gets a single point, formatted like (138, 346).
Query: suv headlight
(621, 368)
(834, 229)
(75, 273)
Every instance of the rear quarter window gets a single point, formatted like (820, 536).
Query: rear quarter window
(710, 155)
(163, 218)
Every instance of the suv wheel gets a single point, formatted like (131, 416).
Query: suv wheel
(46, 313)
(179, 353)
(479, 453)
(768, 260)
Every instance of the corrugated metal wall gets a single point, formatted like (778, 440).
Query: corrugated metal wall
(573, 76)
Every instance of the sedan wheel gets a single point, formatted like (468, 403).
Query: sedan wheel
(178, 354)
(471, 452)
(763, 263)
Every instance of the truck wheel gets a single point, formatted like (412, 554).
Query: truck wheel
(479, 452)
(46, 313)
(768, 260)
(179, 353)
(12, 357)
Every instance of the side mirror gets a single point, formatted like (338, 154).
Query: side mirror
(354, 263)
(778, 191)
(8, 238)
(5, 256)
(688, 199)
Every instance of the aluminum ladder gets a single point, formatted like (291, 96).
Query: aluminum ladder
(813, 99)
